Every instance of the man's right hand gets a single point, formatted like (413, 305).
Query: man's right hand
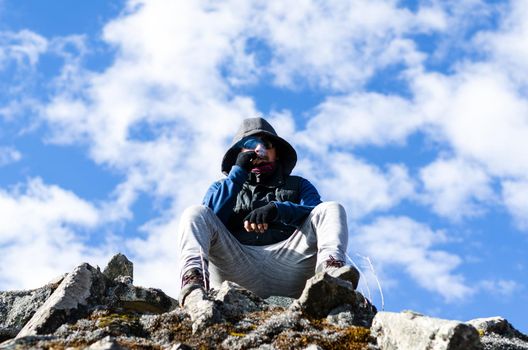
(245, 159)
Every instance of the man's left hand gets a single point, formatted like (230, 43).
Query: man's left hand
(259, 218)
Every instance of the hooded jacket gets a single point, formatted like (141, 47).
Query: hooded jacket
(234, 197)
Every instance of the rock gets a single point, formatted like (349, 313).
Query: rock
(493, 341)
(203, 312)
(90, 310)
(83, 287)
(17, 307)
(498, 334)
(265, 332)
(497, 325)
(237, 301)
(342, 316)
(180, 346)
(409, 330)
(107, 343)
(119, 266)
(323, 293)
(139, 299)
(279, 301)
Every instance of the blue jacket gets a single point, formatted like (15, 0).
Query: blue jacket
(221, 197)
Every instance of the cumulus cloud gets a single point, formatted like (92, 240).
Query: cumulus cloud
(359, 119)
(361, 187)
(403, 242)
(515, 197)
(40, 234)
(455, 188)
(508, 45)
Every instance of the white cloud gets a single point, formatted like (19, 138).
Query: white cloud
(359, 120)
(455, 188)
(515, 197)
(508, 45)
(9, 155)
(403, 242)
(502, 288)
(338, 45)
(23, 47)
(362, 188)
(40, 234)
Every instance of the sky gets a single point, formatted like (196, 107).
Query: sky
(115, 115)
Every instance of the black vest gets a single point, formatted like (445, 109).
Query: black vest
(252, 196)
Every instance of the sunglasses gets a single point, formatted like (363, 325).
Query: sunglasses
(252, 142)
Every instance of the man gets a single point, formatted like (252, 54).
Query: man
(261, 227)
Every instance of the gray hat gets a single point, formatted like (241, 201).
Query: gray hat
(253, 126)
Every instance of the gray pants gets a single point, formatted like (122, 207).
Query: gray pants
(277, 269)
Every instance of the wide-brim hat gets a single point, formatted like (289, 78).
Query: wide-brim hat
(259, 126)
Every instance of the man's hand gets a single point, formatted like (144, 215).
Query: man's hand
(259, 218)
(245, 159)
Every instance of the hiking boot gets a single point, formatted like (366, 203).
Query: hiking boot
(339, 269)
(191, 280)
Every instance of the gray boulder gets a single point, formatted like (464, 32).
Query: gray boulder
(83, 287)
(498, 334)
(119, 267)
(203, 311)
(324, 293)
(236, 301)
(139, 299)
(497, 325)
(409, 330)
(17, 307)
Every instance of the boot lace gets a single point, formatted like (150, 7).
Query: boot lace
(333, 262)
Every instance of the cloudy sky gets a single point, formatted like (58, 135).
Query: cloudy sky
(114, 117)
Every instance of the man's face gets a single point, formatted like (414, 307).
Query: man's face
(266, 151)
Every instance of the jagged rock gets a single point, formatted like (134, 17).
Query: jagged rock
(498, 334)
(265, 332)
(83, 287)
(29, 342)
(90, 310)
(342, 316)
(202, 310)
(497, 325)
(493, 341)
(236, 301)
(119, 266)
(139, 299)
(409, 330)
(323, 293)
(17, 307)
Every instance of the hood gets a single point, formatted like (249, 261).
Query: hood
(287, 157)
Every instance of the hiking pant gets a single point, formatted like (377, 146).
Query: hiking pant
(278, 269)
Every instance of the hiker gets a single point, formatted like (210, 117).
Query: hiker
(261, 227)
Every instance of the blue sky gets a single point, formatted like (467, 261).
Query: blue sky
(114, 116)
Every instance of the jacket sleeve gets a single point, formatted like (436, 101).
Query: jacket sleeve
(221, 196)
(290, 213)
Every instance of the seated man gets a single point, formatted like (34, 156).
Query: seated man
(261, 227)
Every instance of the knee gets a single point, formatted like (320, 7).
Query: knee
(330, 206)
(195, 211)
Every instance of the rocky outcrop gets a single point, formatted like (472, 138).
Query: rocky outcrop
(410, 330)
(104, 310)
(18, 307)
